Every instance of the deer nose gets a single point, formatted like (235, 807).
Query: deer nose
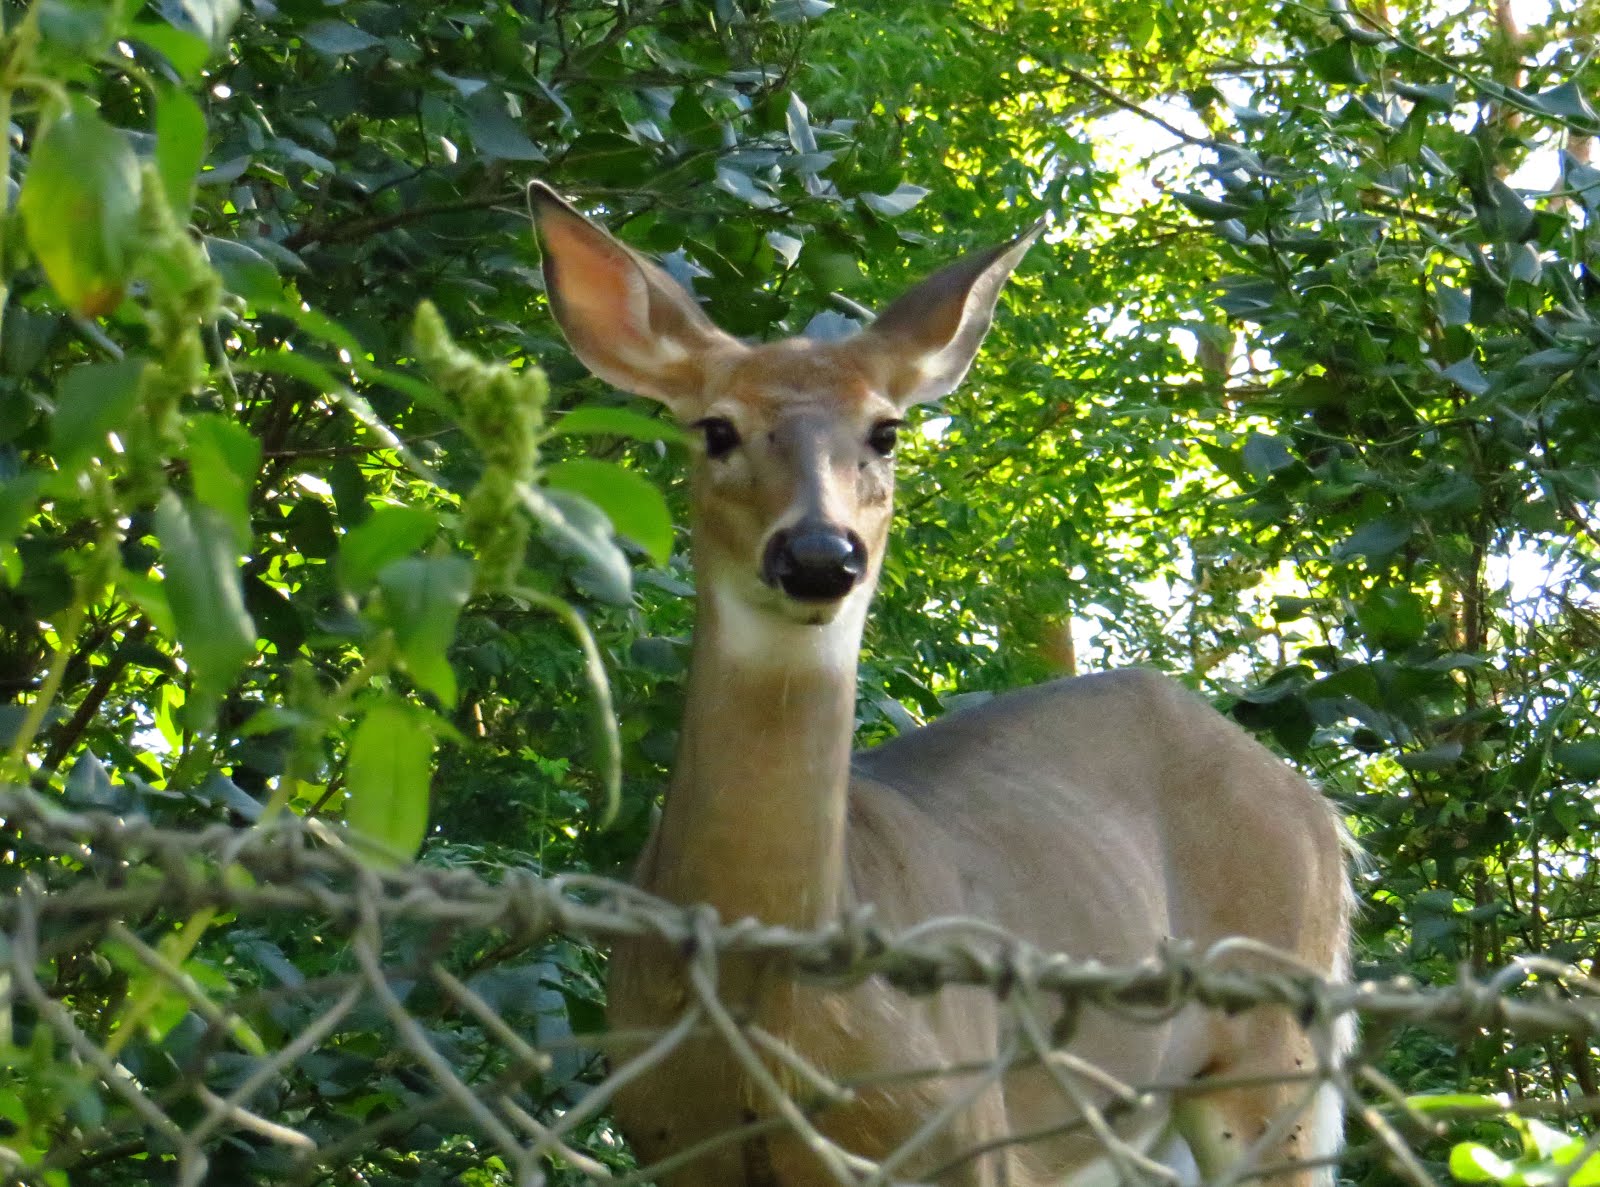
(814, 562)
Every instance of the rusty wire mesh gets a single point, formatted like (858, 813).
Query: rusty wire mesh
(226, 1073)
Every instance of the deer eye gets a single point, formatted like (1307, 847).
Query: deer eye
(721, 437)
(883, 436)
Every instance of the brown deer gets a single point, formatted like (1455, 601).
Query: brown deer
(1098, 816)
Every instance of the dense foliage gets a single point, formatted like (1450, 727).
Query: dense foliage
(1299, 402)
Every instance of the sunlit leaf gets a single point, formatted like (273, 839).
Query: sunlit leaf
(387, 774)
(80, 208)
(223, 459)
(632, 503)
(203, 589)
(93, 399)
(388, 534)
(180, 147)
(601, 419)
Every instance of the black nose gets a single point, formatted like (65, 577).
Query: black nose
(814, 562)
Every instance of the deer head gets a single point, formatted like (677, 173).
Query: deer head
(794, 471)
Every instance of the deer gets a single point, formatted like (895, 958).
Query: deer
(1099, 816)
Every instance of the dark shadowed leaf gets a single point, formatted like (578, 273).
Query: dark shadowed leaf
(1377, 539)
(1465, 375)
(1439, 757)
(1264, 455)
(495, 134)
(245, 271)
(336, 38)
(1581, 760)
(89, 785)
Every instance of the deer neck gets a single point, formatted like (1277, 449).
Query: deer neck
(754, 820)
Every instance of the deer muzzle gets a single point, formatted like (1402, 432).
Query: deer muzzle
(814, 562)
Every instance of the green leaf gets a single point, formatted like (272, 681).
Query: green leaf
(212, 19)
(386, 535)
(18, 500)
(423, 597)
(1439, 757)
(606, 420)
(1428, 1102)
(576, 528)
(73, 31)
(1588, 1175)
(201, 567)
(1583, 180)
(1437, 96)
(1471, 1162)
(1502, 213)
(93, 399)
(223, 459)
(245, 271)
(1265, 455)
(1376, 539)
(387, 771)
(336, 38)
(495, 134)
(1566, 101)
(187, 53)
(1580, 760)
(1525, 264)
(1393, 617)
(793, 12)
(1546, 1141)
(742, 186)
(1465, 375)
(89, 785)
(1209, 207)
(276, 616)
(828, 267)
(631, 501)
(180, 147)
(892, 205)
(1336, 62)
(80, 209)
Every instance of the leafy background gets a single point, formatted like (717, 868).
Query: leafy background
(1298, 400)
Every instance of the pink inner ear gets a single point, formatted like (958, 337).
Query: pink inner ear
(596, 285)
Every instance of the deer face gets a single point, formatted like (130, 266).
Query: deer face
(793, 478)
(793, 475)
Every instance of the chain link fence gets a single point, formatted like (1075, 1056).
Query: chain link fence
(438, 1025)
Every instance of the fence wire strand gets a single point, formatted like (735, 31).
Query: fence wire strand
(235, 1063)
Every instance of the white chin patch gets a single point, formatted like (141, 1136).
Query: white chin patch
(787, 633)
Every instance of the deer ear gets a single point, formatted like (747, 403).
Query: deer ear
(922, 345)
(627, 320)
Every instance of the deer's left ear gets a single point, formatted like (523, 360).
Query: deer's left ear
(922, 345)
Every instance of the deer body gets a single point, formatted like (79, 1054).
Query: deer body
(1098, 817)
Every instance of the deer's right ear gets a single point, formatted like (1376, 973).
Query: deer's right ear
(627, 320)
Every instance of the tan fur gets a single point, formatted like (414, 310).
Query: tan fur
(1099, 816)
